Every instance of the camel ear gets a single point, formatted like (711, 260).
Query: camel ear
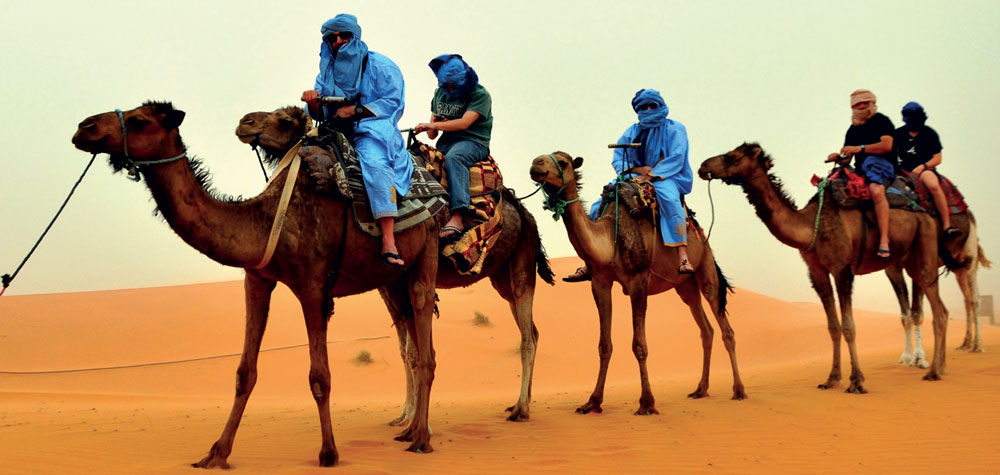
(173, 119)
(577, 162)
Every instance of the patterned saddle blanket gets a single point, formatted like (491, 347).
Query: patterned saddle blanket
(333, 164)
(850, 190)
(485, 185)
(956, 202)
(639, 199)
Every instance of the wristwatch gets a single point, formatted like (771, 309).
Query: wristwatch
(862, 149)
(359, 110)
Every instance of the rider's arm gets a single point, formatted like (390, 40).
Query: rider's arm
(455, 125)
(933, 162)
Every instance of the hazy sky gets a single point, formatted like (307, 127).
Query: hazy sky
(561, 75)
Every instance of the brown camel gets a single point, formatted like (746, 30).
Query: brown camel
(510, 265)
(642, 266)
(309, 259)
(965, 249)
(843, 247)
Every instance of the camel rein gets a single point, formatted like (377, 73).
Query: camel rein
(133, 164)
(554, 202)
(292, 161)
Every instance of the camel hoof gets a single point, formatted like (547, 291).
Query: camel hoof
(698, 393)
(646, 411)
(402, 420)
(214, 459)
(856, 389)
(964, 346)
(588, 408)
(932, 376)
(517, 414)
(740, 395)
(978, 349)
(906, 359)
(421, 446)
(827, 385)
(328, 457)
(920, 361)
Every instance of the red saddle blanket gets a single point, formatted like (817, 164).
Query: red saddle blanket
(954, 197)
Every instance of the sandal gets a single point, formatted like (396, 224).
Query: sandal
(580, 275)
(392, 255)
(450, 234)
(685, 267)
(882, 254)
(951, 233)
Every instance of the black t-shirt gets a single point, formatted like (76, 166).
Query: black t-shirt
(913, 151)
(871, 132)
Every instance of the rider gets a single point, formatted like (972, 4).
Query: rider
(661, 159)
(373, 86)
(919, 150)
(462, 110)
(869, 139)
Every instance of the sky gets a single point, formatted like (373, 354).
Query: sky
(561, 75)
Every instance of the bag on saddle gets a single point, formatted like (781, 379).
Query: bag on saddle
(850, 190)
(638, 197)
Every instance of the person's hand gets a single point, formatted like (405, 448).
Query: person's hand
(345, 112)
(311, 97)
(642, 171)
(644, 178)
(849, 150)
(423, 127)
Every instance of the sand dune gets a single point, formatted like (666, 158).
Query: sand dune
(169, 385)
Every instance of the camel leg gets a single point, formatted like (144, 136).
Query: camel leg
(421, 295)
(709, 284)
(258, 299)
(600, 286)
(407, 352)
(895, 275)
(917, 316)
(640, 348)
(688, 291)
(319, 370)
(821, 283)
(518, 288)
(967, 282)
(845, 284)
(940, 322)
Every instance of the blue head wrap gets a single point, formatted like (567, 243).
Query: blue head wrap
(654, 117)
(914, 116)
(452, 69)
(340, 71)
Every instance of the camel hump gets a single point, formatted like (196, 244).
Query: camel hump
(638, 197)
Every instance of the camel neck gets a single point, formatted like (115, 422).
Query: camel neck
(591, 240)
(791, 226)
(220, 230)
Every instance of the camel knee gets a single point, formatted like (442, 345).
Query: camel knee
(849, 334)
(246, 378)
(604, 350)
(640, 351)
(319, 383)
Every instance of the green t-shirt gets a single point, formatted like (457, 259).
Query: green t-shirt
(479, 101)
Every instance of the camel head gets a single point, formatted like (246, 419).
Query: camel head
(148, 132)
(556, 171)
(274, 131)
(735, 167)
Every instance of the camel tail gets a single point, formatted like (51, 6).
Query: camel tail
(724, 288)
(530, 227)
(983, 261)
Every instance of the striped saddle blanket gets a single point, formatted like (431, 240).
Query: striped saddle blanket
(333, 164)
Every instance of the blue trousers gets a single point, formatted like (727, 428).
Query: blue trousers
(458, 158)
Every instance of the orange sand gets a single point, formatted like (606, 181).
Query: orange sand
(154, 419)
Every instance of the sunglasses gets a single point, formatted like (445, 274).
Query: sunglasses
(344, 35)
(646, 107)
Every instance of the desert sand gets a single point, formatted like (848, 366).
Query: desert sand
(170, 356)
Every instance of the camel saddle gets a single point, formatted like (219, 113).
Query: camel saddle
(639, 199)
(486, 206)
(850, 190)
(956, 202)
(332, 163)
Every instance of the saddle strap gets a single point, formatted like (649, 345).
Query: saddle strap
(286, 194)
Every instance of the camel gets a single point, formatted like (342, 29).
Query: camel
(510, 265)
(965, 249)
(843, 247)
(310, 258)
(642, 266)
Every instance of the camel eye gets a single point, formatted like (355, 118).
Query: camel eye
(285, 122)
(728, 159)
(136, 124)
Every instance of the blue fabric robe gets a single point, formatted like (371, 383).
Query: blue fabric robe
(672, 178)
(385, 163)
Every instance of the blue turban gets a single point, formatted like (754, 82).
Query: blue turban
(914, 116)
(452, 69)
(340, 71)
(650, 117)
